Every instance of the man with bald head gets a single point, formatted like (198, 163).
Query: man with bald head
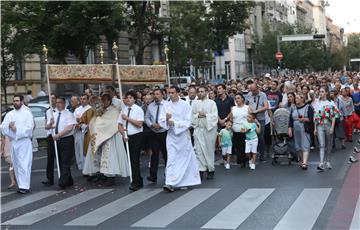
(258, 102)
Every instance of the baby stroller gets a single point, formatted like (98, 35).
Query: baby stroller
(280, 131)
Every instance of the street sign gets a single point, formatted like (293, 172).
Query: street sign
(279, 56)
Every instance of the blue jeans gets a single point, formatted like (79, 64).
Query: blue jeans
(325, 141)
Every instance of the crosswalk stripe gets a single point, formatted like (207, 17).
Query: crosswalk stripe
(3, 194)
(304, 212)
(240, 209)
(55, 208)
(114, 208)
(175, 209)
(355, 223)
(26, 200)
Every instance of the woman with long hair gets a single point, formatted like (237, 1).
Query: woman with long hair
(324, 119)
(300, 115)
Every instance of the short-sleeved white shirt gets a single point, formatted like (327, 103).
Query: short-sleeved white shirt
(66, 118)
(136, 113)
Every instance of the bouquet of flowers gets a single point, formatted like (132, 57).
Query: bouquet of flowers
(326, 114)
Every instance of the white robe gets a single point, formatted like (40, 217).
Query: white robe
(181, 168)
(21, 148)
(205, 133)
(79, 137)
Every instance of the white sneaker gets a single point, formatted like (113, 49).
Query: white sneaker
(252, 166)
(328, 165)
(227, 166)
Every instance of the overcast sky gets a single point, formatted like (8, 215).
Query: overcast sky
(345, 13)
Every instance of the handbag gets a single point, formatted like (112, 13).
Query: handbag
(308, 126)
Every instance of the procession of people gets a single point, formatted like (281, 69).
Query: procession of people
(108, 135)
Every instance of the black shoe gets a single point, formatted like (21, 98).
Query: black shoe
(343, 147)
(353, 160)
(22, 191)
(210, 175)
(201, 175)
(47, 182)
(91, 178)
(134, 187)
(151, 179)
(110, 181)
(262, 159)
(168, 188)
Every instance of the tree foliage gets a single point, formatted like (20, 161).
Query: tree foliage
(146, 25)
(196, 30)
(353, 49)
(299, 55)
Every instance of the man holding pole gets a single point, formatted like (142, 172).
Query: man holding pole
(63, 135)
(49, 115)
(131, 120)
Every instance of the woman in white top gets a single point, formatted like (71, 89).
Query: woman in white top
(239, 113)
(324, 119)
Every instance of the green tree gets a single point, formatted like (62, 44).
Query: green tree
(298, 55)
(353, 49)
(146, 25)
(65, 26)
(227, 18)
(188, 36)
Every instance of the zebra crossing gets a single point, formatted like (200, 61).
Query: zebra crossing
(297, 216)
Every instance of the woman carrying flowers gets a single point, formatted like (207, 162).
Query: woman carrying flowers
(325, 113)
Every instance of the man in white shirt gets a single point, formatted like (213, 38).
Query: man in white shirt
(18, 125)
(49, 115)
(63, 134)
(155, 118)
(80, 131)
(131, 119)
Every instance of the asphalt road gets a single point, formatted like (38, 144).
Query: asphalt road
(271, 197)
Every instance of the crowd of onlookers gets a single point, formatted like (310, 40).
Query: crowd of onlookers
(322, 110)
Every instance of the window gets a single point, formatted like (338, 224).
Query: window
(19, 70)
(38, 111)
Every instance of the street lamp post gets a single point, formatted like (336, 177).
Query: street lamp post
(166, 51)
(101, 55)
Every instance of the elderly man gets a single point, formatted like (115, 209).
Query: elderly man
(18, 125)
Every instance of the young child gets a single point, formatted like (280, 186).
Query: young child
(226, 143)
(251, 128)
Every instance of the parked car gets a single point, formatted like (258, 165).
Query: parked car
(45, 100)
(38, 111)
(182, 81)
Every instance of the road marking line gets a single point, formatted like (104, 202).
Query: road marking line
(3, 194)
(304, 212)
(26, 200)
(55, 208)
(239, 210)
(355, 223)
(114, 208)
(175, 209)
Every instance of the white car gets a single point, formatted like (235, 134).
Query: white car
(38, 111)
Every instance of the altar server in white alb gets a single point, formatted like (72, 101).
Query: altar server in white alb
(18, 125)
(80, 130)
(204, 121)
(181, 168)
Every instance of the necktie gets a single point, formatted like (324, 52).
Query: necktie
(127, 122)
(57, 124)
(157, 113)
(190, 102)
